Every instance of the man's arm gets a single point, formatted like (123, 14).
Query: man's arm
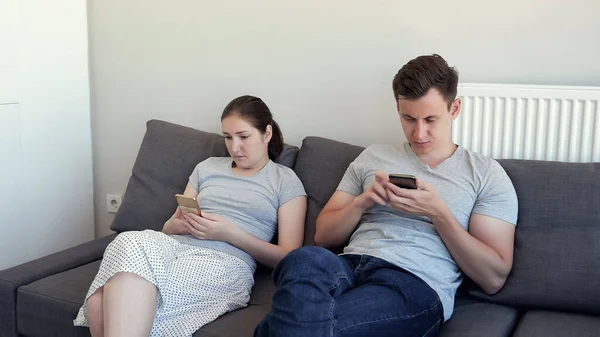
(485, 253)
(343, 211)
(337, 220)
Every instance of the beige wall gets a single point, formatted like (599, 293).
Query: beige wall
(324, 67)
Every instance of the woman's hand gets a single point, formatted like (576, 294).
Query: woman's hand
(177, 224)
(211, 227)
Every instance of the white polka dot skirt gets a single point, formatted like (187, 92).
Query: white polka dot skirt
(195, 285)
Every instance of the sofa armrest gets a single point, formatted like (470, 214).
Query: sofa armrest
(12, 278)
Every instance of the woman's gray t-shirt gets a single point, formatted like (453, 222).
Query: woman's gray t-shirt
(251, 203)
(467, 182)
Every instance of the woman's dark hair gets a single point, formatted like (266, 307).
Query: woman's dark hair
(256, 112)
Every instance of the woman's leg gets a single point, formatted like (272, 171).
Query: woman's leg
(124, 293)
(203, 285)
(129, 306)
(94, 313)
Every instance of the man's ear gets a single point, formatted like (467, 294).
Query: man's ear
(455, 108)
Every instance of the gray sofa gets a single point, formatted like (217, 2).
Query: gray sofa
(553, 289)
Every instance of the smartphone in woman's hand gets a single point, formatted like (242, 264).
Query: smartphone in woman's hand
(187, 204)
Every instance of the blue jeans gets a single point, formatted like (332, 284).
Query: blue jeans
(321, 294)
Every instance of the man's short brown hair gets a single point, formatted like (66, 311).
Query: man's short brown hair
(419, 75)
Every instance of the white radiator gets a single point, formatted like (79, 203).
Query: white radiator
(530, 122)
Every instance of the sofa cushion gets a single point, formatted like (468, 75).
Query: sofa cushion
(239, 323)
(168, 155)
(47, 307)
(472, 318)
(13, 278)
(556, 324)
(557, 239)
(264, 287)
(321, 164)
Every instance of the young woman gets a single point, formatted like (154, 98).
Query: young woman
(173, 282)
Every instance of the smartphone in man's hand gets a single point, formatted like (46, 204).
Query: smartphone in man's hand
(404, 181)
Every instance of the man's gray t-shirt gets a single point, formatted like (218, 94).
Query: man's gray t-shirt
(251, 203)
(467, 182)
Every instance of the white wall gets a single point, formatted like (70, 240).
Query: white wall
(45, 135)
(8, 33)
(324, 67)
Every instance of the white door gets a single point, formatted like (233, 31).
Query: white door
(45, 135)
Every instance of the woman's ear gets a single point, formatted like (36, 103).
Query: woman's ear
(268, 133)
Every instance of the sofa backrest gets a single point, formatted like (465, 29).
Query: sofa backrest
(168, 155)
(320, 165)
(557, 240)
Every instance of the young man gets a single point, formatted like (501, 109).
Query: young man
(399, 273)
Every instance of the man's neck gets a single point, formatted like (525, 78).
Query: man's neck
(436, 157)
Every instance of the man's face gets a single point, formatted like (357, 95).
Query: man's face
(427, 121)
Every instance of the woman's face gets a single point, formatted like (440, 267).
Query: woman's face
(246, 144)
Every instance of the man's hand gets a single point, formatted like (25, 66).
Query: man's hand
(422, 201)
(485, 254)
(375, 194)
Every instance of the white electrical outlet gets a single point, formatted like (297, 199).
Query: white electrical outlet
(113, 202)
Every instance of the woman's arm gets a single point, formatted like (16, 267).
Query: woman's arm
(290, 232)
(290, 235)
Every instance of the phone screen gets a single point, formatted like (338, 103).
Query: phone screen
(404, 181)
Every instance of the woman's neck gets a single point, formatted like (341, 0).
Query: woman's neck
(250, 171)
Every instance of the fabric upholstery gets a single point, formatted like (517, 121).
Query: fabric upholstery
(557, 240)
(239, 323)
(264, 287)
(321, 164)
(13, 278)
(557, 324)
(48, 306)
(472, 318)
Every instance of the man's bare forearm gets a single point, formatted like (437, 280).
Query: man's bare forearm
(334, 227)
(477, 260)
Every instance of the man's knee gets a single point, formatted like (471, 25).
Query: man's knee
(306, 255)
(309, 253)
(309, 261)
